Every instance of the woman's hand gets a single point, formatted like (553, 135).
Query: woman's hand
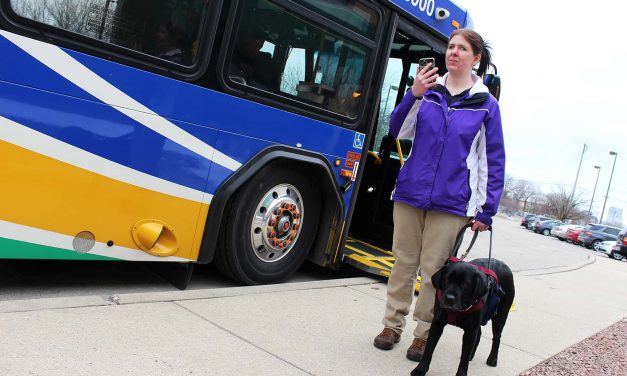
(479, 226)
(425, 80)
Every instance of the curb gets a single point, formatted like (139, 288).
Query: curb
(591, 259)
(27, 305)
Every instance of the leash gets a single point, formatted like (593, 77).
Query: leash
(460, 238)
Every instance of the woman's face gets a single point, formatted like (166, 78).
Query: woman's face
(459, 55)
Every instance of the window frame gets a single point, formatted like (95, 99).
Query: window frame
(291, 104)
(27, 27)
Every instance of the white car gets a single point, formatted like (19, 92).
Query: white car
(606, 247)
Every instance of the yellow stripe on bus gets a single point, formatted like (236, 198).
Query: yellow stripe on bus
(366, 261)
(45, 193)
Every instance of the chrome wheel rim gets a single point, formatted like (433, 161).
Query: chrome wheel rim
(277, 223)
(596, 246)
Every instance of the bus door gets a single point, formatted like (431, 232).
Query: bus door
(369, 241)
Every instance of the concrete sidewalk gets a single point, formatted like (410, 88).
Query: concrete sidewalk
(319, 328)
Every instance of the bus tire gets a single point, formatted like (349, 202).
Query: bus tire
(270, 227)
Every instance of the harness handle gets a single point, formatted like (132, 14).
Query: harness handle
(460, 238)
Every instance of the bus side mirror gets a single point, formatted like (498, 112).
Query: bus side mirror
(493, 82)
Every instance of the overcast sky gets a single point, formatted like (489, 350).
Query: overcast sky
(563, 67)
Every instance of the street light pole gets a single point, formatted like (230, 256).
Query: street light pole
(615, 154)
(385, 108)
(593, 191)
(572, 194)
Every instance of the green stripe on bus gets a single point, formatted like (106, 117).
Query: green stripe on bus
(13, 249)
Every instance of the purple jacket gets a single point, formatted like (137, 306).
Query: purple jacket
(457, 161)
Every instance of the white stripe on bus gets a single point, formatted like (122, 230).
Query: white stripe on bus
(27, 138)
(68, 67)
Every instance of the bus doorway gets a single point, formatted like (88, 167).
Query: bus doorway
(369, 241)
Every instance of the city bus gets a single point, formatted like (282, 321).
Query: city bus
(251, 134)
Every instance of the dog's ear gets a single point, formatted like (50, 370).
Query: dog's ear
(481, 286)
(436, 279)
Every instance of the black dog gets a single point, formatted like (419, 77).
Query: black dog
(465, 294)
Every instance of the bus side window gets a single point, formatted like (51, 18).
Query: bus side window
(251, 65)
(166, 29)
(280, 51)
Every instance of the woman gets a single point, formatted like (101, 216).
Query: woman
(454, 174)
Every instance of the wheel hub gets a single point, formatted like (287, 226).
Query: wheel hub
(276, 223)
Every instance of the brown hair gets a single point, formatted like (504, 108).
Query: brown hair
(479, 46)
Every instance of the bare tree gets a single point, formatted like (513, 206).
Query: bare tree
(560, 205)
(291, 78)
(524, 191)
(33, 9)
(509, 186)
(71, 15)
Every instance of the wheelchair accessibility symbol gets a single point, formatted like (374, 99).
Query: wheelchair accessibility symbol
(358, 142)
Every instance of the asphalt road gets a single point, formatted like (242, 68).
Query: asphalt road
(523, 250)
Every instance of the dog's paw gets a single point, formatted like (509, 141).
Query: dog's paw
(418, 371)
(491, 361)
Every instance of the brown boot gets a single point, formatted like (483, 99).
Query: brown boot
(386, 339)
(417, 348)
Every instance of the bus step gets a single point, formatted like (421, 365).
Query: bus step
(370, 258)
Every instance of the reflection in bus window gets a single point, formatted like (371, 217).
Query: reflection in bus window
(277, 51)
(168, 29)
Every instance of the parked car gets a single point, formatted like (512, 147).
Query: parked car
(545, 227)
(592, 235)
(606, 246)
(526, 218)
(532, 221)
(572, 235)
(619, 251)
(561, 231)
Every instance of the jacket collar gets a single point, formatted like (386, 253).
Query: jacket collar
(478, 92)
(477, 87)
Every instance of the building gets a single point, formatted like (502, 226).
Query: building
(614, 216)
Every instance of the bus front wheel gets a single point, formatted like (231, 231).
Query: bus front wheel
(270, 227)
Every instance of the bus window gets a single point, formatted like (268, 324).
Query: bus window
(278, 51)
(349, 13)
(167, 29)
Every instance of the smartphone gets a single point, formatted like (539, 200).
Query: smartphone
(424, 61)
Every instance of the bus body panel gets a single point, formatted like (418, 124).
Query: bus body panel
(124, 145)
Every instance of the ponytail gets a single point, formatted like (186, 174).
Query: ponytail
(486, 60)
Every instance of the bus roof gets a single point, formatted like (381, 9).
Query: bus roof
(425, 11)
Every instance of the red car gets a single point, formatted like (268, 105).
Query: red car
(572, 235)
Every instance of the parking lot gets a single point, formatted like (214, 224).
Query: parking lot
(525, 250)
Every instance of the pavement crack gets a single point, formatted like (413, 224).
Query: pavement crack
(365, 293)
(242, 338)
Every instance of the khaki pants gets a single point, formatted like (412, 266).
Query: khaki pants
(425, 239)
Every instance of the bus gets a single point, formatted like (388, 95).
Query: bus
(252, 134)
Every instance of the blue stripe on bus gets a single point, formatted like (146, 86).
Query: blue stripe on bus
(198, 105)
(104, 131)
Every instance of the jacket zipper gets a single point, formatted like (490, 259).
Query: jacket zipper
(437, 167)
